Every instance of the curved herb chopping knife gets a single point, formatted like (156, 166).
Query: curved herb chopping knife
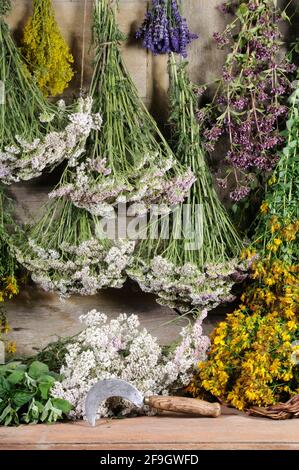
(109, 388)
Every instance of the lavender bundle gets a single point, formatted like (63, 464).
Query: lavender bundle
(185, 275)
(129, 160)
(34, 134)
(164, 30)
(249, 105)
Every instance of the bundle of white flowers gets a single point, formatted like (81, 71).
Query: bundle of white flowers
(66, 252)
(187, 287)
(95, 187)
(126, 160)
(196, 266)
(26, 159)
(35, 134)
(119, 349)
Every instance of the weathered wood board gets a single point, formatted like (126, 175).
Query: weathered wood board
(231, 431)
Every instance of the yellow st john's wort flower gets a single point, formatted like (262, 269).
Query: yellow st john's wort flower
(254, 352)
(11, 347)
(264, 207)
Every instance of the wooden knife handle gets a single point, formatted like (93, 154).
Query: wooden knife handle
(184, 405)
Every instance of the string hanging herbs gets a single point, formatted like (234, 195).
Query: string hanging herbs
(67, 252)
(278, 224)
(249, 106)
(197, 270)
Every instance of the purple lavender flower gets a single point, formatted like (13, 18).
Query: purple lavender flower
(162, 34)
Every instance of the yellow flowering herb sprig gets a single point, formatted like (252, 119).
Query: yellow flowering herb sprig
(8, 265)
(47, 53)
(252, 360)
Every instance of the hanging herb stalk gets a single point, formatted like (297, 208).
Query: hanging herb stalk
(34, 134)
(129, 160)
(45, 50)
(183, 271)
(249, 106)
(8, 265)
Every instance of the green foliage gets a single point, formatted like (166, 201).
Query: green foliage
(25, 394)
(5, 7)
(278, 227)
(54, 353)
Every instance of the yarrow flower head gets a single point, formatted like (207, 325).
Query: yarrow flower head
(164, 30)
(120, 349)
(25, 159)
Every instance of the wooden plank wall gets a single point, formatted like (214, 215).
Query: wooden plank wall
(150, 74)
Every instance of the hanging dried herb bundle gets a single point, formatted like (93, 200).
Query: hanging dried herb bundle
(183, 275)
(129, 160)
(67, 253)
(34, 134)
(254, 356)
(164, 30)
(249, 106)
(45, 50)
(278, 228)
